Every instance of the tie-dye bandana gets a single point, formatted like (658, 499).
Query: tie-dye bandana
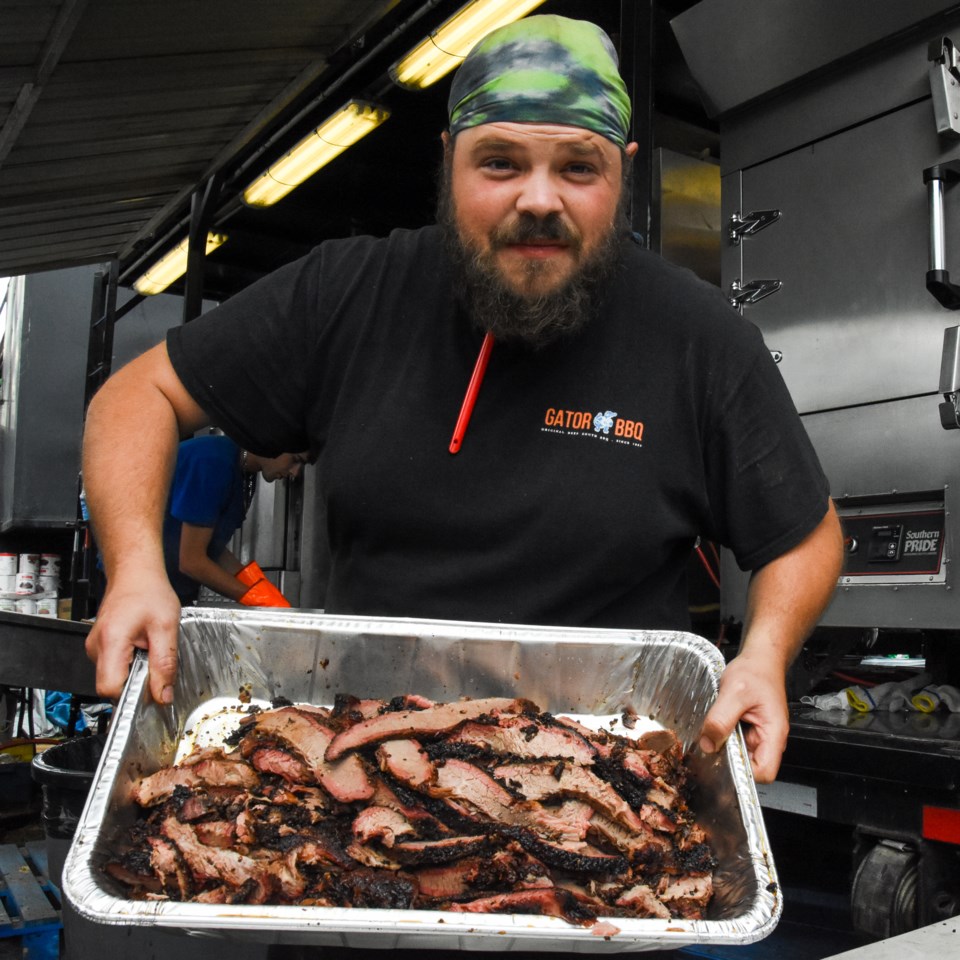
(543, 69)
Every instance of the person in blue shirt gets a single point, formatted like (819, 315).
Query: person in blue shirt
(212, 486)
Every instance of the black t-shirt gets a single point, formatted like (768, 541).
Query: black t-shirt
(588, 469)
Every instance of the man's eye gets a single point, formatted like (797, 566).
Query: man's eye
(497, 163)
(581, 169)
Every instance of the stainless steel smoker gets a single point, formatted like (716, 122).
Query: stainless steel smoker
(840, 152)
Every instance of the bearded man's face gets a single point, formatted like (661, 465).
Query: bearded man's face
(533, 216)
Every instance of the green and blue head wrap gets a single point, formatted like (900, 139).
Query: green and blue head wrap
(543, 69)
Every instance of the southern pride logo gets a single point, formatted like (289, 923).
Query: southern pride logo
(921, 541)
(605, 425)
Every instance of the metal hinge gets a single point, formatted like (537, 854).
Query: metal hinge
(751, 292)
(747, 224)
(945, 86)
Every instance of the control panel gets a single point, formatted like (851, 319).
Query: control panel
(898, 544)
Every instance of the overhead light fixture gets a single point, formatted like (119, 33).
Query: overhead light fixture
(446, 47)
(345, 127)
(172, 265)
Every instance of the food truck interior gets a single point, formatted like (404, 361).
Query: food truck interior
(799, 154)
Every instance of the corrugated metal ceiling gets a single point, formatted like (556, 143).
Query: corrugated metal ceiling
(116, 114)
(111, 110)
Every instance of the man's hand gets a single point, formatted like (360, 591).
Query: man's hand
(136, 612)
(784, 601)
(751, 692)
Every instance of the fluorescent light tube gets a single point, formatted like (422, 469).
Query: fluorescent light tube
(351, 122)
(171, 266)
(446, 47)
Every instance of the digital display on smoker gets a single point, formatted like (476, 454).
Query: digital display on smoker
(885, 544)
(893, 544)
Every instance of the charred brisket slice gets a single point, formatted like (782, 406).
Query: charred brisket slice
(471, 876)
(476, 806)
(381, 823)
(208, 769)
(414, 723)
(406, 761)
(370, 888)
(548, 901)
(525, 737)
(309, 738)
(579, 858)
(544, 781)
(429, 853)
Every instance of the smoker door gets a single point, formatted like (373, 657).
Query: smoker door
(852, 319)
(860, 340)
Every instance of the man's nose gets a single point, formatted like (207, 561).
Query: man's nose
(539, 195)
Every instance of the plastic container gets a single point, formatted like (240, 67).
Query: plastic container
(65, 773)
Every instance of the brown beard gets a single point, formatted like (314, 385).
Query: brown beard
(536, 319)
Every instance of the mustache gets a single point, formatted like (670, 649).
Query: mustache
(528, 228)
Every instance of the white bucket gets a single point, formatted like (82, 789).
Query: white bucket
(29, 563)
(8, 583)
(49, 564)
(26, 605)
(8, 606)
(8, 564)
(46, 607)
(26, 583)
(48, 584)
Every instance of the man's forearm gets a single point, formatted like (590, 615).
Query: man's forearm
(785, 600)
(787, 596)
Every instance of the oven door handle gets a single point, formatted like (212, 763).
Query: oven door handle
(937, 177)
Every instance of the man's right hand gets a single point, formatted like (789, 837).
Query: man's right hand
(143, 613)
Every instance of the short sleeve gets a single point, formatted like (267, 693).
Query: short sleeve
(766, 487)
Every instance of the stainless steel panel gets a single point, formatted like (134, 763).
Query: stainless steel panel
(853, 320)
(895, 453)
(882, 81)
(41, 416)
(685, 225)
(314, 546)
(263, 534)
(739, 50)
(668, 679)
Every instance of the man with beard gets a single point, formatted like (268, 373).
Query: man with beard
(624, 409)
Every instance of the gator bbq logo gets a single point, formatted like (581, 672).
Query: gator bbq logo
(604, 425)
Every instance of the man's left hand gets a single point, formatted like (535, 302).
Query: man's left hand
(754, 693)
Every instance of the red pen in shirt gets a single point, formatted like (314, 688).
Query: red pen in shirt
(473, 388)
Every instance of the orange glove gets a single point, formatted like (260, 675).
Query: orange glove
(264, 594)
(250, 574)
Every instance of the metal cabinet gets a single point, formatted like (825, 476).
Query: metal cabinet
(41, 402)
(852, 321)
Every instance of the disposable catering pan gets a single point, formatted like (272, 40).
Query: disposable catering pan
(666, 679)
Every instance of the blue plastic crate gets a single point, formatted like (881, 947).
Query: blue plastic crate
(29, 903)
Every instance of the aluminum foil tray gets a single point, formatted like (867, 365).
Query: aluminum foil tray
(667, 679)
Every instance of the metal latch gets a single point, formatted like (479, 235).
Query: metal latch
(751, 292)
(945, 86)
(950, 379)
(747, 224)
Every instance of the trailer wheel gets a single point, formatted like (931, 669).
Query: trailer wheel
(883, 898)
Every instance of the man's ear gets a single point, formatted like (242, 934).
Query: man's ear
(447, 141)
